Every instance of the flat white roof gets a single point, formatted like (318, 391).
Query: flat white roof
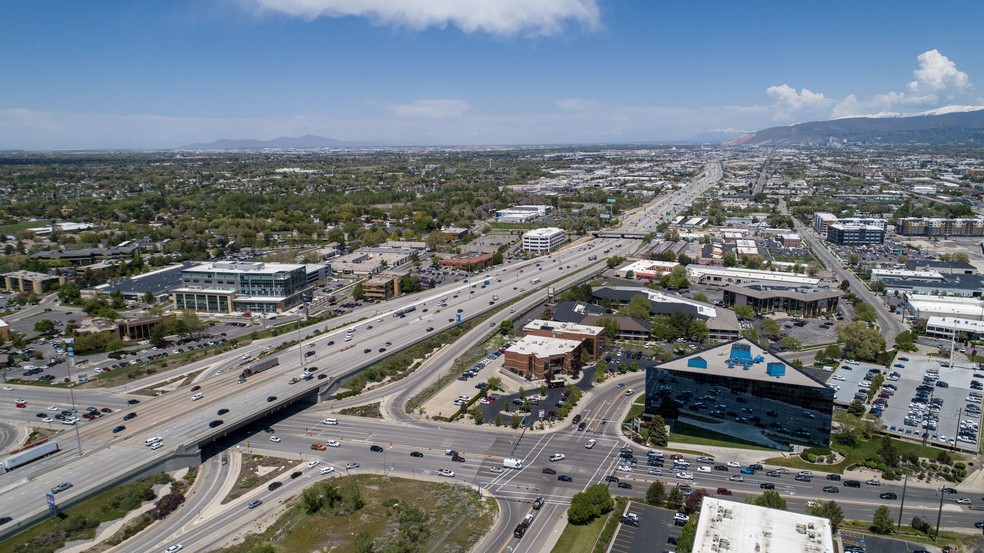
(730, 526)
(541, 346)
(646, 265)
(906, 273)
(243, 268)
(545, 232)
(537, 324)
(961, 325)
(751, 274)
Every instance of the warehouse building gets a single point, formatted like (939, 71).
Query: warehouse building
(923, 306)
(732, 526)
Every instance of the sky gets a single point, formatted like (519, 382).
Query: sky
(141, 74)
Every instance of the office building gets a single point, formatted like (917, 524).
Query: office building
(738, 391)
(543, 240)
(809, 301)
(728, 526)
(470, 261)
(944, 327)
(722, 324)
(849, 234)
(931, 226)
(231, 287)
(543, 358)
(592, 338)
(646, 269)
(706, 274)
(923, 306)
(822, 222)
(29, 281)
(383, 286)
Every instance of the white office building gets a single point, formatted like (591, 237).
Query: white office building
(543, 240)
(923, 306)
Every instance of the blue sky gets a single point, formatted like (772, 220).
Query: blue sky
(141, 74)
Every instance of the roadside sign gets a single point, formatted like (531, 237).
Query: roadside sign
(611, 200)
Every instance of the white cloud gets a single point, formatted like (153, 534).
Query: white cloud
(430, 109)
(577, 104)
(936, 75)
(499, 17)
(793, 106)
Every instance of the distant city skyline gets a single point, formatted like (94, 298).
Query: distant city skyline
(148, 75)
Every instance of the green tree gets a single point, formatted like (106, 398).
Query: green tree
(674, 499)
(905, 341)
(477, 415)
(676, 279)
(833, 351)
(658, 435)
(701, 297)
(882, 522)
(610, 325)
(829, 510)
(44, 326)
(506, 327)
(580, 512)
(856, 408)
(493, 383)
(685, 543)
(888, 452)
(69, 294)
(116, 299)
(729, 260)
(638, 307)
(357, 291)
(148, 297)
(771, 499)
(861, 340)
(656, 493)
(745, 312)
(791, 343)
(770, 326)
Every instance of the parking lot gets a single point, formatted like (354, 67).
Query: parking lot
(654, 533)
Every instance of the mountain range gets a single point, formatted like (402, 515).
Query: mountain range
(306, 142)
(954, 125)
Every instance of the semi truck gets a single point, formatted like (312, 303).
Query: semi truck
(259, 367)
(27, 456)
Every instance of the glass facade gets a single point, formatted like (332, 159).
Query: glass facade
(254, 287)
(765, 412)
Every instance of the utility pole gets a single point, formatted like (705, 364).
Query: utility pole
(939, 516)
(902, 503)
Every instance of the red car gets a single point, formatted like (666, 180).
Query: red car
(106, 410)
(724, 491)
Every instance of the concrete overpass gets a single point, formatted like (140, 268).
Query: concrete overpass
(627, 234)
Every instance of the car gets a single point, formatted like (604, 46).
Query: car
(724, 491)
(557, 457)
(314, 463)
(685, 475)
(548, 470)
(873, 482)
(256, 502)
(416, 454)
(703, 468)
(61, 487)
(736, 478)
(624, 485)
(174, 548)
(275, 439)
(333, 443)
(271, 398)
(590, 443)
(296, 474)
(609, 478)
(834, 477)
(767, 486)
(53, 408)
(831, 489)
(963, 501)
(430, 329)
(680, 515)
(116, 429)
(852, 483)
(197, 396)
(565, 478)
(105, 410)
(133, 401)
(746, 470)
(458, 458)
(803, 478)
(328, 470)
(950, 490)
(888, 495)
(126, 417)
(837, 377)
(274, 485)
(215, 423)
(630, 391)
(196, 388)
(734, 464)
(704, 459)
(375, 448)
(47, 419)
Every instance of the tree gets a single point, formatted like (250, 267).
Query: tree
(44, 326)
(674, 500)
(656, 493)
(357, 291)
(694, 500)
(116, 299)
(856, 408)
(772, 500)
(493, 383)
(833, 351)
(676, 279)
(888, 452)
(745, 312)
(791, 343)
(770, 326)
(905, 341)
(685, 543)
(506, 327)
(657, 432)
(590, 504)
(831, 511)
(861, 340)
(610, 325)
(69, 294)
(477, 415)
(638, 307)
(882, 522)
(729, 260)
(148, 297)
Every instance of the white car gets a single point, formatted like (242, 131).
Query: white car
(737, 478)
(327, 470)
(47, 419)
(557, 457)
(52, 408)
(655, 471)
(681, 516)
(333, 443)
(495, 469)
(590, 443)
(625, 468)
(275, 439)
(8, 388)
(838, 377)
(446, 472)
(197, 396)
(312, 464)
(685, 475)
(173, 548)
(703, 468)
(630, 391)
(734, 464)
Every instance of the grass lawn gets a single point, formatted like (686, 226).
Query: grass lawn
(695, 440)
(455, 518)
(581, 539)
(371, 410)
(636, 408)
(17, 227)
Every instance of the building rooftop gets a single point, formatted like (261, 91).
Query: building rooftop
(660, 302)
(741, 359)
(750, 274)
(545, 232)
(540, 324)
(240, 267)
(777, 290)
(730, 526)
(541, 346)
(161, 280)
(960, 325)
(29, 275)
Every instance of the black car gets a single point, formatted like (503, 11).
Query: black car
(767, 486)
(119, 428)
(625, 485)
(133, 402)
(721, 467)
(458, 458)
(565, 478)
(322, 376)
(295, 474)
(889, 495)
(611, 478)
(548, 470)
(271, 398)
(629, 521)
(416, 454)
(538, 503)
(756, 467)
(834, 477)
(5, 520)
(222, 411)
(831, 489)
(375, 448)
(367, 350)
(852, 483)
(803, 478)
(216, 422)
(274, 485)
(129, 416)
(582, 426)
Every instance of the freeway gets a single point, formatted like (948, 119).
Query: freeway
(183, 421)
